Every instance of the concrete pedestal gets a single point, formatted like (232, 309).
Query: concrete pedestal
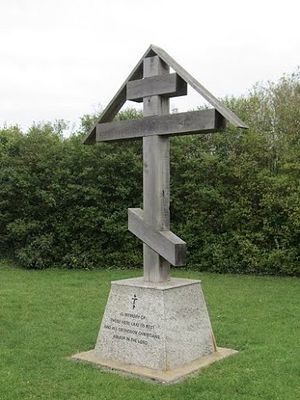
(160, 331)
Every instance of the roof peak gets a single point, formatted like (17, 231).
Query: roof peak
(137, 73)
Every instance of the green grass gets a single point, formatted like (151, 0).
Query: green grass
(45, 316)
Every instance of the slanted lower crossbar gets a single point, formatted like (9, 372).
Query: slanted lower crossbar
(165, 243)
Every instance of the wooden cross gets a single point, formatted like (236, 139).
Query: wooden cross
(151, 83)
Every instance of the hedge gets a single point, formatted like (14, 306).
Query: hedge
(235, 195)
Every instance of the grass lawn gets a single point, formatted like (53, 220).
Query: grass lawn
(46, 316)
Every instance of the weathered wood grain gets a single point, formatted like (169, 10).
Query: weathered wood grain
(170, 85)
(165, 243)
(203, 121)
(156, 176)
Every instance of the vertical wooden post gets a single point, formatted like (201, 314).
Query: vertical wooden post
(156, 176)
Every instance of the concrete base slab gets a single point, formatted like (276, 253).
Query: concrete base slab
(169, 376)
(161, 326)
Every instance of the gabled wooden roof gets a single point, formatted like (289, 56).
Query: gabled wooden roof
(137, 73)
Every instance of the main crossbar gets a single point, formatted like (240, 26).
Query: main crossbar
(204, 121)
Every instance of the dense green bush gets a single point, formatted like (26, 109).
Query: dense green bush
(235, 196)
(65, 204)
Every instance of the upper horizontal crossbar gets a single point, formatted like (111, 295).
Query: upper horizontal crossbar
(186, 123)
(167, 85)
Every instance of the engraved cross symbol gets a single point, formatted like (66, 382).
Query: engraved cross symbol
(134, 299)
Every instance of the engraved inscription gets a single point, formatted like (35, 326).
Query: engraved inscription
(132, 327)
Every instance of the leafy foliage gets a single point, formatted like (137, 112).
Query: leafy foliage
(235, 195)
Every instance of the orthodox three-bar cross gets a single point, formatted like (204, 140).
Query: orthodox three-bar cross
(152, 83)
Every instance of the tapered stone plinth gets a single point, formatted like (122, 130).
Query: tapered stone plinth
(157, 330)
